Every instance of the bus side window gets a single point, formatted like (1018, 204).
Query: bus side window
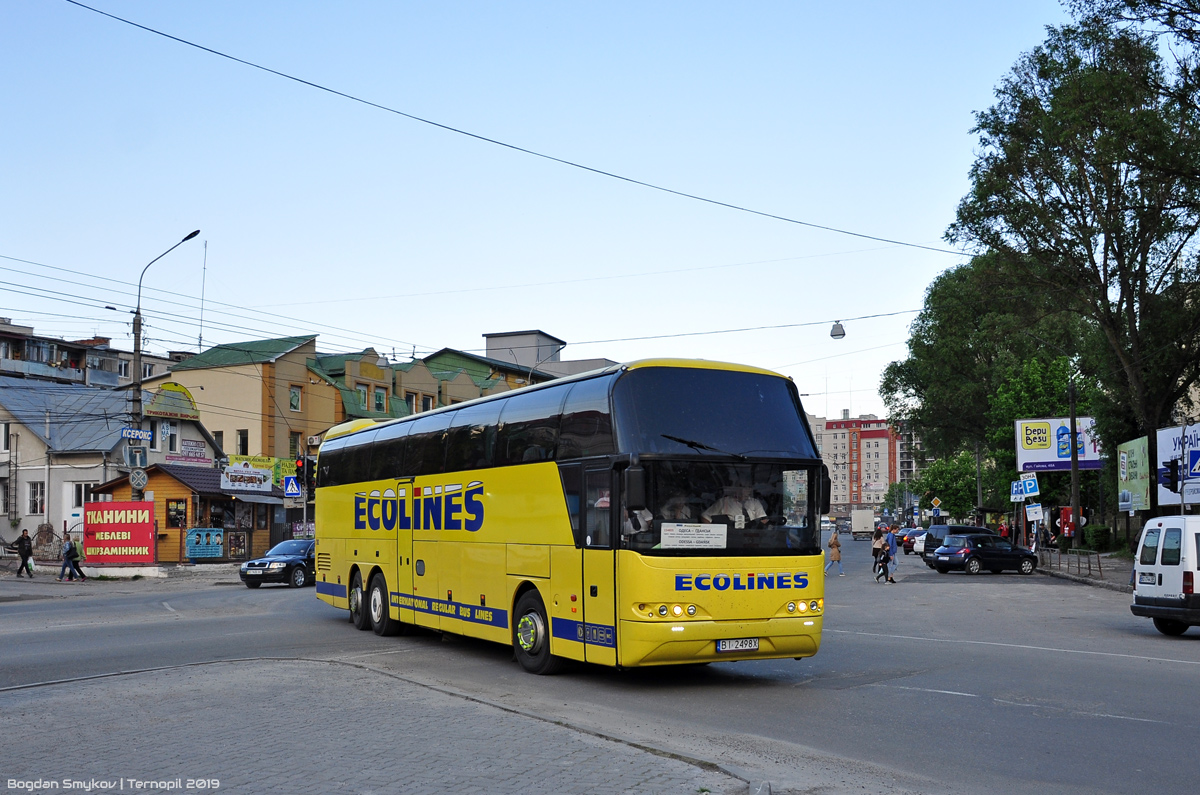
(387, 460)
(426, 451)
(529, 426)
(586, 421)
(572, 488)
(599, 510)
(472, 437)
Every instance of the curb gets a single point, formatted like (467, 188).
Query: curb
(1062, 575)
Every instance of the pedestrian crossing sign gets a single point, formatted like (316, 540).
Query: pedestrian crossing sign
(291, 486)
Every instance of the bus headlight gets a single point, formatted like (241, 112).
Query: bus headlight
(815, 604)
(662, 610)
(691, 610)
(791, 607)
(677, 610)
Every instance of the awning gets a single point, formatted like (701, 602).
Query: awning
(262, 499)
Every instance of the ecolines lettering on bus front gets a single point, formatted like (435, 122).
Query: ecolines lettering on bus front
(431, 508)
(753, 582)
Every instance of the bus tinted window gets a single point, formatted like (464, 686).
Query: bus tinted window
(529, 426)
(709, 412)
(471, 440)
(387, 460)
(329, 464)
(425, 453)
(354, 459)
(586, 420)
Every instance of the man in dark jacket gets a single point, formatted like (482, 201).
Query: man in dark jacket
(23, 546)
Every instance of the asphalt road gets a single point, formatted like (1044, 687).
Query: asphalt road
(938, 683)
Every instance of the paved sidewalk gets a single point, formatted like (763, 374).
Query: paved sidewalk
(1113, 573)
(312, 727)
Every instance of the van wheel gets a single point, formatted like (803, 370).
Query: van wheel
(379, 610)
(531, 636)
(358, 613)
(1169, 626)
(973, 566)
(1027, 566)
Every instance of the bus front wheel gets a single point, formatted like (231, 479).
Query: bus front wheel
(531, 636)
(358, 613)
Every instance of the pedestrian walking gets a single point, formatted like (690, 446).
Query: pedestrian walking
(1004, 529)
(890, 544)
(835, 553)
(876, 549)
(881, 573)
(71, 556)
(23, 546)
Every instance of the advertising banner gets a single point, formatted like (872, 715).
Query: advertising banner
(246, 478)
(118, 532)
(1133, 476)
(1045, 445)
(1184, 446)
(206, 542)
(278, 467)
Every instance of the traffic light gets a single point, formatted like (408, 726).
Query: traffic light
(1172, 474)
(301, 472)
(310, 475)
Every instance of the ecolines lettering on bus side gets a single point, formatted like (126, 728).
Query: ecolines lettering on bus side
(431, 508)
(753, 582)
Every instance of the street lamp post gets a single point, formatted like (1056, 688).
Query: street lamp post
(136, 493)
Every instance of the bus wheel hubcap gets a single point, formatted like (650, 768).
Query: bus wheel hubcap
(530, 631)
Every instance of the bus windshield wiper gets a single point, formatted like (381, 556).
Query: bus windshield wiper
(698, 446)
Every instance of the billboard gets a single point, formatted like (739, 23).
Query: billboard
(119, 532)
(1133, 476)
(205, 542)
(1045, 445)
(1184, 445)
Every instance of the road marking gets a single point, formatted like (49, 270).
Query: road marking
(927, 690)
(1014, 646)
(164, 604)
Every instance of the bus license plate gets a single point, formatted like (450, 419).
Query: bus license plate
(738, 644)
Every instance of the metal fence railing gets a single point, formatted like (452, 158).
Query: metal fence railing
(1081, 562)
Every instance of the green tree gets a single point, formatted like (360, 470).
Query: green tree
(952, 480)
(1085, 185)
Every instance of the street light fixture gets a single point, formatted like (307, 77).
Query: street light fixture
(837, 332)
(136, 493)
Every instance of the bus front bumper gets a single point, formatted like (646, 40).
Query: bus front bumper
(671, 642)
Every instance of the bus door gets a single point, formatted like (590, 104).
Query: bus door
(400, 580)
(599, 568)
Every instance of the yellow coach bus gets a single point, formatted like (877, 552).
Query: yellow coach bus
(658, 512)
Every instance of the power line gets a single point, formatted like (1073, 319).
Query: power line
(513, 147)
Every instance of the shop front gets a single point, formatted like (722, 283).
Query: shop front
(199, 518)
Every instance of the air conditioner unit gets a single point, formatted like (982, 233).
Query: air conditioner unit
(314, 441)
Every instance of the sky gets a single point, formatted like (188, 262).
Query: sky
(322, 214)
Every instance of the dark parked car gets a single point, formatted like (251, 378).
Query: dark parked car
(288, 561)
(910, 538)
(975, 553)
(937, 533)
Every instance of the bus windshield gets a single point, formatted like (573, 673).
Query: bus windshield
(702, 508)
(694, 411)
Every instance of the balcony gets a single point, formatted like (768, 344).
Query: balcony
(39, 370)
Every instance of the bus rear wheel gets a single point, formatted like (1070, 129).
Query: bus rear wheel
(531, 636)
(377, 605)
(358, 613)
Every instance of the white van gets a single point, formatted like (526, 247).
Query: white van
(1165, 569)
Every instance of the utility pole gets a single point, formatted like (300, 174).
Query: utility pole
(1074, 467)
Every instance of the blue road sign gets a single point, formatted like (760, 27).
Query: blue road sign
(937, 512)
(1031, 486)
(291, 486)
(1194, 463)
